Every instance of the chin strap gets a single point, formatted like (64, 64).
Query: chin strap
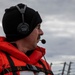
(46, 71)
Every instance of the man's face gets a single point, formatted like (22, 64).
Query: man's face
(34, 37)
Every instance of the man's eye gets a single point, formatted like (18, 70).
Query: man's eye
(38, 27)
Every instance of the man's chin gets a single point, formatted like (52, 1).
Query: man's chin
(38, 41)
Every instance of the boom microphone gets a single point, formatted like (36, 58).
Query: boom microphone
(43, 41)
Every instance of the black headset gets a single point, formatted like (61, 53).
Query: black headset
(23, 27)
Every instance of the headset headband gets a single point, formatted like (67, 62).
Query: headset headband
(22, 11)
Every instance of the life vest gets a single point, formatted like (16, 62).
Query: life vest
(14, 62)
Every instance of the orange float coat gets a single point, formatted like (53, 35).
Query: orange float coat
(19, 58)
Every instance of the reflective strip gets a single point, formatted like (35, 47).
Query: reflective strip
(26, 73)
(40, 73)
(31, 73)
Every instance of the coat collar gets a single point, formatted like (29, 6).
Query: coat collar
(36, 55)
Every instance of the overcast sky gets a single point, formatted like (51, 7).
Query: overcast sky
(58, 26)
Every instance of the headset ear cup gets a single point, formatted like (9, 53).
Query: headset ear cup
(23, 28)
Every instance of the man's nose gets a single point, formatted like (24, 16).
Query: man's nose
(41, 32)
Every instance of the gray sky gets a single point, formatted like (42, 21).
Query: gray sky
(58, 26)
